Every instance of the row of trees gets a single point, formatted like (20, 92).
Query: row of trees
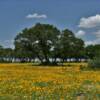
(48, 44)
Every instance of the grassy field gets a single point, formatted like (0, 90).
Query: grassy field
(27, 82)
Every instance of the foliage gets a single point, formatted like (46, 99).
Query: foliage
(49, 45)
(92, 50)
(39, 40)
(95, 62)
(46, 42)
(6, 54)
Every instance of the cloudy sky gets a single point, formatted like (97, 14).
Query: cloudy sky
(80, 16)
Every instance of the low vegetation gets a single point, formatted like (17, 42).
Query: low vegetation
(28, 82)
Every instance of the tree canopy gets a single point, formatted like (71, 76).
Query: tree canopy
(46, 42)
(49, 45)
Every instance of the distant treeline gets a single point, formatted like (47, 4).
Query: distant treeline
(48, 45)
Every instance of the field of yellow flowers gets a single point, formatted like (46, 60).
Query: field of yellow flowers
(28, 82)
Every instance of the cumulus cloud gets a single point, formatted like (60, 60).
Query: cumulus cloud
(89, 42)
(96, 40)
(90, 22)
(80, 33)
(36, 15)
(7, 43)
(97, 34)
(93, 42)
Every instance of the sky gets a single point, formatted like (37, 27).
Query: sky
(80, 16)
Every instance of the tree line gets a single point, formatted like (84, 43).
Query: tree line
(49, 45)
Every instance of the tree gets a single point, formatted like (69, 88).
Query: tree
(71, 47)
(78, 49)
(39, 40)
(47, 43)
(1, 53)
(92, 50)
(95, 62)
(23, 49)
(6, 54)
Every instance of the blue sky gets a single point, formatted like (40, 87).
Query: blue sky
(80, 16)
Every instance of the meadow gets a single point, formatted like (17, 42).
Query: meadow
(28, 82)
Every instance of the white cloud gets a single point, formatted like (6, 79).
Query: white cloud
(90, 22)
(96, 41)
(80, 33)
(7, 43)
(97, 34)
(88, 43)
(36, 15)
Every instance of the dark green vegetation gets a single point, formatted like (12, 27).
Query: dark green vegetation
(49, 45)
(94, 54)
(95, 62)
(46, 42)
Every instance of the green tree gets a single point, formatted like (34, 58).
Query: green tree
(92, 50)
(23, 47)
(39, 40)
(71, 47)
(46, 42)
(1, 53)
(95, 62)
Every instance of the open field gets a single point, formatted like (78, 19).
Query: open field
(27, 82)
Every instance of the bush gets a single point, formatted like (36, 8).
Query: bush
(95, 62)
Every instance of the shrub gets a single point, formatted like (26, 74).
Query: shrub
(95, 62)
